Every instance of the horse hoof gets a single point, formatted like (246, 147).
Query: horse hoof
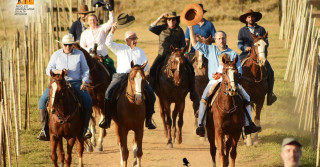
(88, 146)
(169, 145)
(99, 149)
(135, 163)
(249, 141)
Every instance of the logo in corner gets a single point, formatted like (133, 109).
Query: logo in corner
(25, 2)
(23, 6)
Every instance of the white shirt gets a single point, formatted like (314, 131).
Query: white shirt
(90, 37)
(125, 55)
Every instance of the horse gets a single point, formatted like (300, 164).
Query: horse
(131, 111)
(100, 80)
(226, 117)
(172, 88)
(64, 119)
(254, 77)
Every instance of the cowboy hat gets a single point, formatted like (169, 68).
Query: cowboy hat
(257, 15)
(99, 3)
(67, 39)
(191, 14)
(204, 11)
(84, 10)
(171, 15)
(290, 140)
(124, 20)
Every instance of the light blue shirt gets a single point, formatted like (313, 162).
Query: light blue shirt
(75, 62)
(212, 53)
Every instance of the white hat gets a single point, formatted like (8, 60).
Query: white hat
(67, 39)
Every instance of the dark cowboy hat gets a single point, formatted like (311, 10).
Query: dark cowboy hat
(84, 10)
(204, 11)
(124, 20)
(257, 15)
(192, 14)
(99, 3)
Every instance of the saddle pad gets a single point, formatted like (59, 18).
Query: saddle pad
(244, 60)
(214, 94)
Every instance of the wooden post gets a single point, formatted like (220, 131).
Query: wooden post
(26, 69)
(6, 129)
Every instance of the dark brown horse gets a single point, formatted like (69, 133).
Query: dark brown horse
(173, 88)
(100, 80)
(131, 111)
(254, 77)
(226, 118)
(64, 119)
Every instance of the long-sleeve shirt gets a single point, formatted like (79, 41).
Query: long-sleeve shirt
(212, 53)
(90, 37)
(125, 55)
(205, 30)
(245, 39)
(168, 37)
(76, 29)
(75, 62)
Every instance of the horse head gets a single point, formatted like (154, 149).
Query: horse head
(259, 52)
(230, 76)
(136, 81)
(175, 63)
(57, 87)
(199, 55)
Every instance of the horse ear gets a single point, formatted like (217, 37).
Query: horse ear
(253, 36)
(144, 65)
(265, 35)
(132, 64)
(63, 73)
(172, 48)
(224, 61)
(184, 49)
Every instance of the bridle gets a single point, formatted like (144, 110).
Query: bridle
(133, 91)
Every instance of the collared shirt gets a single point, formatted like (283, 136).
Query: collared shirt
(245, 39)
(75, 62)
(205, 30)
(212, 53)
(90, 37)
(76, 29)
(125, 55)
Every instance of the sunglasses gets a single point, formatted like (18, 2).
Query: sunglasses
(171, 19)
(133, 38)
(67, 45)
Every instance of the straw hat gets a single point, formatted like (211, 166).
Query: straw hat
(257, 15)
(171, 15)
(124, 20)
(67, 39)
(84, 10)
(192, 14)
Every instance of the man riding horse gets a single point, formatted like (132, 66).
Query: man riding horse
(212, 53)
(245, 43)
(125, 54)
(74, 62)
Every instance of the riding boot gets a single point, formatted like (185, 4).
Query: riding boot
(249, 127)
(105, 123)
(44, 133)
(201, 119)
(86, 119)
(271, 97)
(149, 123)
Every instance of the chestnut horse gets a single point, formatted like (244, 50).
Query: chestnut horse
(131, 111)
(64, 119)
(226, 118)
(173, 88)
(254, 77)
(100, 80)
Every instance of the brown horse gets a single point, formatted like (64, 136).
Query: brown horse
(254, 77)
(100, 80)
(64, 119)
(131, 111)
(226, 118)
(173, 88)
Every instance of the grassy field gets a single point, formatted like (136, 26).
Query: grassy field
(278, 120)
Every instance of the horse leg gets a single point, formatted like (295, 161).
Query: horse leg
(60, 151)
(259, 106)
(163, 116)
(228, 147)
(137, 147)
(174, 122)
(180, 110)
(54, 143)
(92, 126)
(169, 125)
(124, 152)
(102, 133)
(80, 149)
(70, 143)
(220, 143)
(210, 131)
(233, 153)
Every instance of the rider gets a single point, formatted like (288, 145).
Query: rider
(245, 43)
(96, 34)
(204, 28)
(170, 33)
(125, 54)
(75, 63)
(212, 53)
(79, 26)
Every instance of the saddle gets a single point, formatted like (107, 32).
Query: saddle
(106, 68)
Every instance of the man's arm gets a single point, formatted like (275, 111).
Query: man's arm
(241, 45)
(114, 47)
(197, 45)
(73, 30)
(106, 26)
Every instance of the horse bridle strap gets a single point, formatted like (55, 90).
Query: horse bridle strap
(230, 110)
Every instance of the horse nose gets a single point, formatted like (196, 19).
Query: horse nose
(138, 99)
